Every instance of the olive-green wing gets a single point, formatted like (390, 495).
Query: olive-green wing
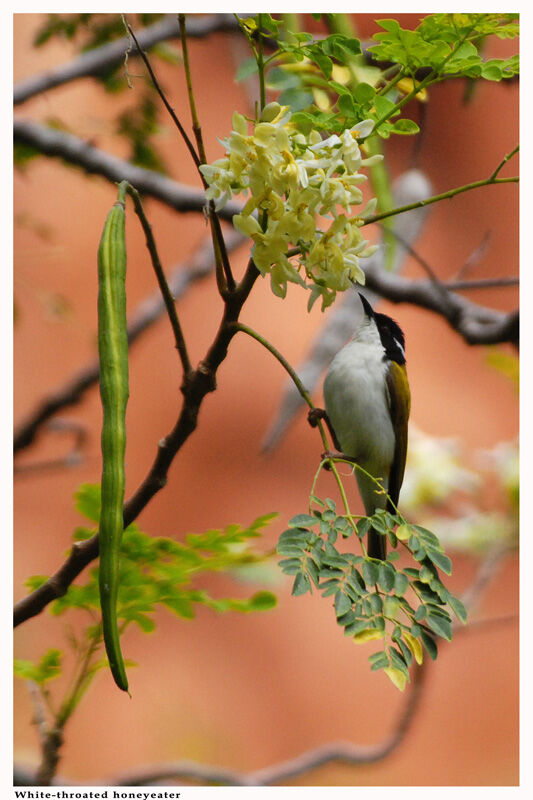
(399, 405)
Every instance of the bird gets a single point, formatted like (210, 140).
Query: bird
(367, 404)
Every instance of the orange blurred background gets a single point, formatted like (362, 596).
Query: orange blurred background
(245, 691)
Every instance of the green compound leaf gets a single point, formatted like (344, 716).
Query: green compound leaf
(401, 584)
(440, 625)
(458, 608)
(88, 501)
(342, 603)
(46, 669)
(302, 521)
(370, 572)
(301, 585)
(440, 560)
(430, 645)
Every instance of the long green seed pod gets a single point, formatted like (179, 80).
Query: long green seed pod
(114, 391)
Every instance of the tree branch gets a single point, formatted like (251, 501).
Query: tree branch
(475, 323)
(342, 752)
(179, 339)
(97, 62)
(225, 279)
(198, 384)
(80, 153)
(280, 773)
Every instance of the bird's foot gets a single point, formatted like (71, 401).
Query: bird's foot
(315, 415)
(335, 456)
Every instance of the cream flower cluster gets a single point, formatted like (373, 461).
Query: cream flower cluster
(302, 189)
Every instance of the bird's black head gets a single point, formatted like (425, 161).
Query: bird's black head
(390, 333)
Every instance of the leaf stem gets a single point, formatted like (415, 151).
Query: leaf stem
(240, 326)
(444, 196)
(261, 63)
(504, 161)
(197, 129)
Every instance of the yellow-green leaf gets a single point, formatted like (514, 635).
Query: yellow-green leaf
(367, 635)
(403, 532)
(397, 677)
(414, 646)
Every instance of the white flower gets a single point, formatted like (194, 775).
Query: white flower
(297, 184)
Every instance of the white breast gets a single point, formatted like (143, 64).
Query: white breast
(356, 401)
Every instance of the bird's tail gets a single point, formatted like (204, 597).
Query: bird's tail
(377, 545)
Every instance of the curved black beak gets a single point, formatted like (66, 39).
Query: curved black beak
(369, 311)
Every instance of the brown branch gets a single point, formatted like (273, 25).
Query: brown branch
(225, 279)
(147, 313)
(482, 283)
(97, 62)
(340, 752)
(76, 151)
(72, 458)
(179, 339)
(199, 383)
(488, 567)
(476, 324)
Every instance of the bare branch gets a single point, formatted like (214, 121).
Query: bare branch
(160, 92)
(168, 299)
(74, 150)
(72, 458)
(488, 567)
(475, 323)
(482, 283)
(149, 311)
(96, 62)
(198, 384)
(341, 752)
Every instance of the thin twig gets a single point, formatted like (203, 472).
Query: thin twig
(197, 130)
(163, 285)
(488, 567)
(221, 256)
(50, 739)
(175, 119)
(504, 161)
(307, 397)
(473, 259)
(438, 197)
(240, 326)
(483, 283)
